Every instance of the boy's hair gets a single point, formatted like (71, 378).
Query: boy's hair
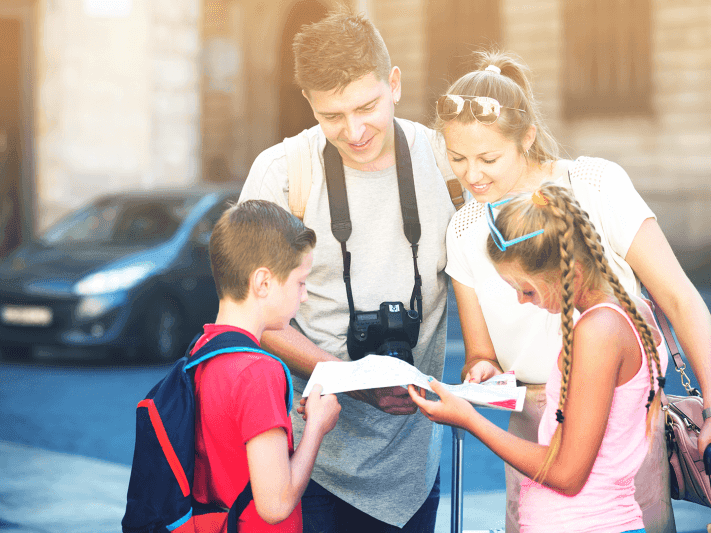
(569, 237)
(512, 89)
(337, 50)
(251, 235)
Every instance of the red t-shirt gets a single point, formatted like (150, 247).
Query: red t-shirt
(239, 396)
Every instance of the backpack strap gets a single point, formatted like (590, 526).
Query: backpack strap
(234, 342)
(456, 192)
(298, 162)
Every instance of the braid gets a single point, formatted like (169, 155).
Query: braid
(567, 267)
(592, 240)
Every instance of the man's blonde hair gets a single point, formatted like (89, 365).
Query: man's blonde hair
(338, 50)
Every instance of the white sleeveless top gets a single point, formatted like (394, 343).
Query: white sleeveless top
(527, 339)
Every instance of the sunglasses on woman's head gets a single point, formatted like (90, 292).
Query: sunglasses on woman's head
(485, 109)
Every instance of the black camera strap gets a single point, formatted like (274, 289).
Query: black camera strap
(341, 226)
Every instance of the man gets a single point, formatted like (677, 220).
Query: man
(378, 470)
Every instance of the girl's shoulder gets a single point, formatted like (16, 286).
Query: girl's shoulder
(605, 326)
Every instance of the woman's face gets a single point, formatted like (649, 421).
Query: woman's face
(487, 164)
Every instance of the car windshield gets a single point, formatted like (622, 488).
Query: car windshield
(122, 221)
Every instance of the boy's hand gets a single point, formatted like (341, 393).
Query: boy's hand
(320, 410)
(450, 409)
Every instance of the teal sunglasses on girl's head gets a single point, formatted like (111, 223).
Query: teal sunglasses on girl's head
(499, 240)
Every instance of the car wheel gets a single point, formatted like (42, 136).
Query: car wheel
(164, 331)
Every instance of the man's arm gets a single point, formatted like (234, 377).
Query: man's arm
(296, 350)
(301, 356)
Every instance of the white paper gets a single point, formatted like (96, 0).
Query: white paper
(375, 371)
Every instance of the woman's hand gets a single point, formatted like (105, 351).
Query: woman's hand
(481, 371)
(449, 410)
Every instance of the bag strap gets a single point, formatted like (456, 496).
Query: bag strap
(672, 345)
(234, 342)
(298, 163)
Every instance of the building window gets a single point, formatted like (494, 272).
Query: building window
(607, 61)
(455, 28)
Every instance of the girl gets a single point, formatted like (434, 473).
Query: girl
(602, 392)
(497, 143)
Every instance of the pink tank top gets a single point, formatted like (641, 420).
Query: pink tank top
(606, 503)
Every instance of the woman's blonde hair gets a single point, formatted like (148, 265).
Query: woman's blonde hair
(568, 238)
(512, 89)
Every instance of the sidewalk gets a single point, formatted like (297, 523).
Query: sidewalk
(51, 492)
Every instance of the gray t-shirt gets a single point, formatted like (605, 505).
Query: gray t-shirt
(382, 464)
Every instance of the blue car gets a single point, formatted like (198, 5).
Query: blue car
(127, 275)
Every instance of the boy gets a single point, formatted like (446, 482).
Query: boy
(260, 256)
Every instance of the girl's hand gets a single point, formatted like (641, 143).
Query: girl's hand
(481, 371)
(449, 410)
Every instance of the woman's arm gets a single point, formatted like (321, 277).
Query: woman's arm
(480, 361)
(655, 264)
(586, 410)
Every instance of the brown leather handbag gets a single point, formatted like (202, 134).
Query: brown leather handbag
(688, 476)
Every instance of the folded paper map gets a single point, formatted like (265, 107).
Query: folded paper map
(375, 371)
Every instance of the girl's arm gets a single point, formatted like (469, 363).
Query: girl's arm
(480, 361)
(655, 264)
(602, 341)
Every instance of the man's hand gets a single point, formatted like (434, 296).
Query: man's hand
(390, 400)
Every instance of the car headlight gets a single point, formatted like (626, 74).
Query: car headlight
(94, 306)
(118, 279)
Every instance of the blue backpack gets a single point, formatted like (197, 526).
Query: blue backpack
(159, 496)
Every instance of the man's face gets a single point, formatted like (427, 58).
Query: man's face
(359, 120)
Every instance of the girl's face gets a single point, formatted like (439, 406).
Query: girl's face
(487, 164)
(542, 290)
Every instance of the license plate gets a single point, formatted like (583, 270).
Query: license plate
(26, 315)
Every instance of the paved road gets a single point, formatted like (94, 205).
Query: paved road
(88, 410)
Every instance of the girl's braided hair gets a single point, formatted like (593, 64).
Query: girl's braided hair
(569, 237)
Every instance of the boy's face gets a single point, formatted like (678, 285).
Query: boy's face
(285, 298)
(359, 120)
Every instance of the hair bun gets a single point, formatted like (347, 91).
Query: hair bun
(493, 68)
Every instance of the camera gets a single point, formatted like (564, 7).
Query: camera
(392, 330)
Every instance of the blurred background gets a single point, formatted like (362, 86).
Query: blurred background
(103, 98)
(107, 95)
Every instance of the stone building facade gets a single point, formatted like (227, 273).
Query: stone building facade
(119, 94)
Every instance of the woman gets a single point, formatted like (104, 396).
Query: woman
(497, 144)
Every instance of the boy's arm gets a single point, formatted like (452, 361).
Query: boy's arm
(278, 482)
